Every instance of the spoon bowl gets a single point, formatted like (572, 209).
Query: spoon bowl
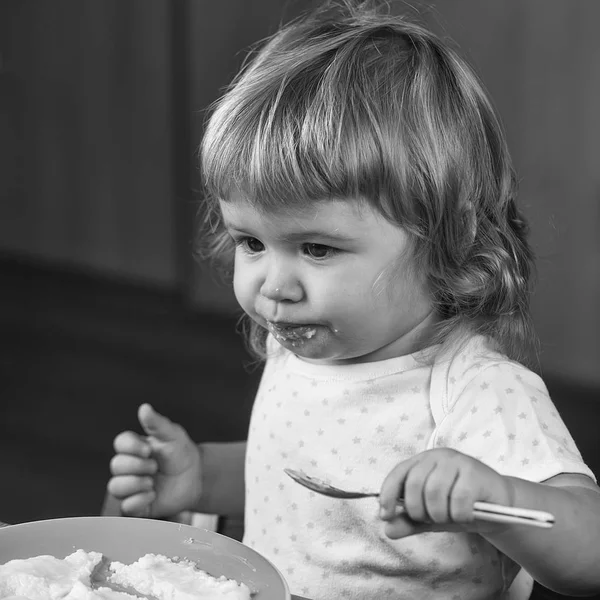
(324, 488)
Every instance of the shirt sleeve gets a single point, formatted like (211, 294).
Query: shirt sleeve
(504, 417)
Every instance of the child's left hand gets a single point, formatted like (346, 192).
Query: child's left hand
(439, 488)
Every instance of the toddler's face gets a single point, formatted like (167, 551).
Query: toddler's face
(333, 281)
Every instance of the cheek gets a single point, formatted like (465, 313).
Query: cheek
(242, 285)
(409, 292)
(380, 289)
(383, 287)
(333, 292)
(342, 289)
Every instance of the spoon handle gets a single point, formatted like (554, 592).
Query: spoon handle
(497, 513)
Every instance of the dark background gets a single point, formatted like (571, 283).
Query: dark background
(101, 304)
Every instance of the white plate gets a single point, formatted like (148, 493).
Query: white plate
(126, 539)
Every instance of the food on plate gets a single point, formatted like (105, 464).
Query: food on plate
(159, 577)
(47, 577)
(91, 576)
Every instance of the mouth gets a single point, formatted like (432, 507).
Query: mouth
(290, 332)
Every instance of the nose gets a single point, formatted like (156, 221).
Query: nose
(280, 283)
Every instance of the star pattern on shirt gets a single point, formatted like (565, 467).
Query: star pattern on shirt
(358, 444)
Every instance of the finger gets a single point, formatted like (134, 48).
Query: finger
(129, 442)
(126, 464)
(461, 501)
(436, 493)
(402, 526)
(393, 488)
(157, 425)
(139, 505)
(123, 486)
(414, 490)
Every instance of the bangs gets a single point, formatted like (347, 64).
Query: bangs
(309, 127)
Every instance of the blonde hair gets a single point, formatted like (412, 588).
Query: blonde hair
(349, 101)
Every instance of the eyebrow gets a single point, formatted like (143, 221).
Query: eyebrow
(298, 236)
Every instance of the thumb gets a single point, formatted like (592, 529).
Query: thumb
(401, 525)
(157, 425)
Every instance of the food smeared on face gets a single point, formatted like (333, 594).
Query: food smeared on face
(294, 334)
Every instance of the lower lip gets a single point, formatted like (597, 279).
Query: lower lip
(294, 334)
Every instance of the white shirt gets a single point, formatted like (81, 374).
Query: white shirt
(351, 425)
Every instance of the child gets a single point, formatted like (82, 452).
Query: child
(357, 173)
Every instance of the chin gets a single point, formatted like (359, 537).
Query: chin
(347, 357)
(304, 348)
(321, 354)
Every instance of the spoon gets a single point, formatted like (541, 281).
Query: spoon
(482, 511)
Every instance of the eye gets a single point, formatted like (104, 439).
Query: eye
(319, 251)
(250, 245)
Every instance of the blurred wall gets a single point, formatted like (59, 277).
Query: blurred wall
(101, 111)
(86, 154)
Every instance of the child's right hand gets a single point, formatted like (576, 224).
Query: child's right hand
(157, 475)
